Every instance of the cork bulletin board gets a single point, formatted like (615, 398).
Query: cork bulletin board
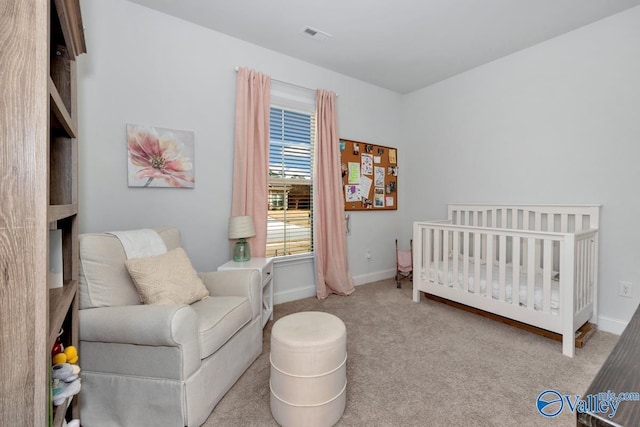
(369, 176)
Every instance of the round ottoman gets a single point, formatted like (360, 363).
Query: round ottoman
(308, 369)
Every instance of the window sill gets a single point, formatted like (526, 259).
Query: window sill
(286, 259)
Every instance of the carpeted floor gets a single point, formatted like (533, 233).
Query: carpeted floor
(427, 364)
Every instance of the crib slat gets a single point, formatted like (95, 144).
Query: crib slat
(455, 270)
(483, 238)
(465, 260)
(547, 267)
(531, 274)
(515, 261)
(476, 256)
(583, 277)
(593, 273)
(538, 221)
(577, 289)
(502, 241)
(514, 218)
(427, 255)
(538, 227)
(525, 248)
(587, 271)
(436, 255)
(525, 219)
(445, 258)
(490, 264)
(564, 223)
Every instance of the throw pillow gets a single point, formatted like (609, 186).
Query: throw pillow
(166, 279)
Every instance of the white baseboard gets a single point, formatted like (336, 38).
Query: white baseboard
(609, 324)
(294, 294)
(310, 291)
(373, 277)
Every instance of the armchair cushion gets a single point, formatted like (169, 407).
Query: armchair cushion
(219, 319)
(166, 279)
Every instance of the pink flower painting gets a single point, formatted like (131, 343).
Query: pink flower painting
(160, 157)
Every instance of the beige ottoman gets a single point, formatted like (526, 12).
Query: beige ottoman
(308, 369)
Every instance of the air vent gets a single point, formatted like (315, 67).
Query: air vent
(315, 34)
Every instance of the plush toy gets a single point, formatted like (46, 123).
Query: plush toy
(63, 372)
(59, 358)
(57, 347)
(64, 382)
(72, 354)
(69, 355)
(64, 375)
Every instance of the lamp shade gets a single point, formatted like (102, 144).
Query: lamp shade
(241, 227)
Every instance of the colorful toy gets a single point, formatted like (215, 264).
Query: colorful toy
(71, 353)
(59, 358)
(57, 346)
(64, 382)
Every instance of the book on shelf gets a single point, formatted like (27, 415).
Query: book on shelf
(54, 278)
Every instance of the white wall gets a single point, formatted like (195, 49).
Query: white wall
(555, 123)
(144, 67)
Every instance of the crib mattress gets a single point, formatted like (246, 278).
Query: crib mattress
(495, 291)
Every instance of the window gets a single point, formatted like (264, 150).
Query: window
(290, 211)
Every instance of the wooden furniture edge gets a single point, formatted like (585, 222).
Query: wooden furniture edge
(585, 332)
(71, 23)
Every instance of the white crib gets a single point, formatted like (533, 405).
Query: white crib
(534, 264)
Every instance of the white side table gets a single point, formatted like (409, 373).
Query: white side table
(265, 267)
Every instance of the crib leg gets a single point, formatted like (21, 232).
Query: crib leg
(416, 294)
(568, 344)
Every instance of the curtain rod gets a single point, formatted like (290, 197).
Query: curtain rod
(287, 83)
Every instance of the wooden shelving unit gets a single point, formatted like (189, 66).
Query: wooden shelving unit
(38, 192)
(66, 42)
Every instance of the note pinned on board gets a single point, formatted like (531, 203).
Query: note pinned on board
(367, 164)
(379, 176)
(354, 173)
(392, 155)
(352, 193)
(365, 185)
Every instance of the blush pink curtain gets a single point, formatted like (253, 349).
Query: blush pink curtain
(333, 275)
(251, 154)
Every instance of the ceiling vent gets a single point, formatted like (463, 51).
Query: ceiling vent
(315, 34)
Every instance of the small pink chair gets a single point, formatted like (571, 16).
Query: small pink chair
(404, 263)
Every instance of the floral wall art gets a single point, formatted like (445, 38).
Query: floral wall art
(159, 157)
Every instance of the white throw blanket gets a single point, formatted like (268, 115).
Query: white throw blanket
(141, 243)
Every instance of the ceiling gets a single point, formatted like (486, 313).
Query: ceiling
(401, 45)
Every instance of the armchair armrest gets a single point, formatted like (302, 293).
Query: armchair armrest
(121, 339)
(245, 283)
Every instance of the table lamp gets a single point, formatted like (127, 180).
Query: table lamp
(241, 227)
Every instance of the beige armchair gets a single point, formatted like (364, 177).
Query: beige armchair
(169, 365)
